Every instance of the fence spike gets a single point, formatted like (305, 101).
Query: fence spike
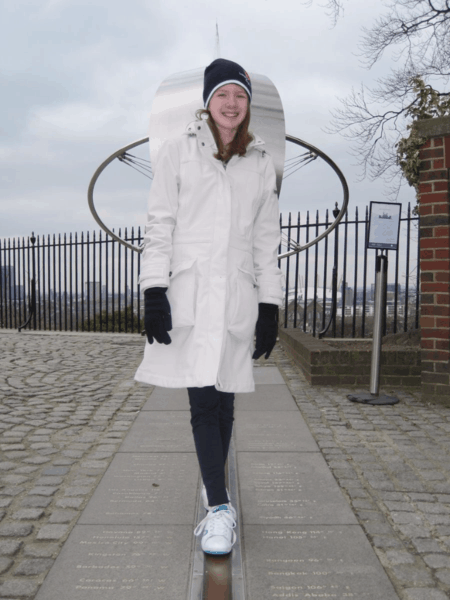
(84, 258)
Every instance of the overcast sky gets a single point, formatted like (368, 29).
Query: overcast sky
(78, 81)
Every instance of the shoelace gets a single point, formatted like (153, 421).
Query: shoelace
(232, 509)
(218, 522)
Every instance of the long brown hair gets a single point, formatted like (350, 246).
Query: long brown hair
(239, 143)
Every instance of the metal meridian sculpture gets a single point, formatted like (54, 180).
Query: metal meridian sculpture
(144, 167)
(174, 106)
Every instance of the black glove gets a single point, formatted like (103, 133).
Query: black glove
(266, 330)
(157, 319)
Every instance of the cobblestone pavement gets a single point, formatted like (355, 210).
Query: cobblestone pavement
(393, 465)
(67, 401)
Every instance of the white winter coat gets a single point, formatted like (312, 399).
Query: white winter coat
(212, 238)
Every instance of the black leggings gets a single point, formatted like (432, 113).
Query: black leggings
(212, 423)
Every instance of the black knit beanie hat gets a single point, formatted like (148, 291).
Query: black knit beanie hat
(219, 73)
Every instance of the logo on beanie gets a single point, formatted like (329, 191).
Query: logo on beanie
(246, 76)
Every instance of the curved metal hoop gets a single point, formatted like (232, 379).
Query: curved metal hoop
(343, 181)
(92, 183)
(289, 138)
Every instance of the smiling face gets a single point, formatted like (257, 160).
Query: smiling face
(228, 107)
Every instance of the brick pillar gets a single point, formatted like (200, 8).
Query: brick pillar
(434, 210)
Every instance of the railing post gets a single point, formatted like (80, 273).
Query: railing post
(32, 303)
(379, 321)
(33, 280)
(333, 280)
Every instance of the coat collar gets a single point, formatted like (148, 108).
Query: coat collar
(201, 130)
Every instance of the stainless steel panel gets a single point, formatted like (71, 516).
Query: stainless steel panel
(180, 95)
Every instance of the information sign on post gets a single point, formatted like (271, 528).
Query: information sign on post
(384, 225)
(384, 229)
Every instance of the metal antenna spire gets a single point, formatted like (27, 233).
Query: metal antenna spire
(217, 41)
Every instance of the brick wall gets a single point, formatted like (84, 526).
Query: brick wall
(434, 210)
(323, 364)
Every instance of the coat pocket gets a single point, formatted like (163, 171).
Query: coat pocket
(182, 293)
(244, 306)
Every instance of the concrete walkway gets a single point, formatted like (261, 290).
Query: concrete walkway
(336, 500)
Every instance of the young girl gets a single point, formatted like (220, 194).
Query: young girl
(210, 276)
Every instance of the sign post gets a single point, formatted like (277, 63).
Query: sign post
(384, 228)
(378, 322)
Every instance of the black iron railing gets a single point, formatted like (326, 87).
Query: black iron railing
(88, 282)
(309, 303)
(82, 283)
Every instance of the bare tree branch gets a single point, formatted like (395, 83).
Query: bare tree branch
(334, 8)
(419, 29)
(375, 119)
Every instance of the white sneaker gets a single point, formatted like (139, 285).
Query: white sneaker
(218, 530)
(208, 508)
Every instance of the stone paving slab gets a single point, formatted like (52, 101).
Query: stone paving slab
(70, 399)
(146, 488)
(289, 487)
(268, 396)
(313, 562)
(167, 399)
(117, 562)
(264, 431)
(269, 374)
(160, 431)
